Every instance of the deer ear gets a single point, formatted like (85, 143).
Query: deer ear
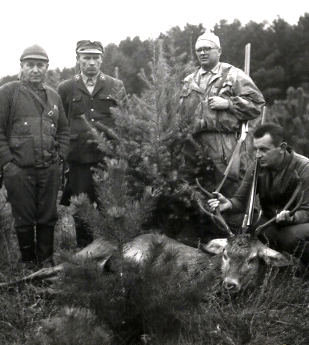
(215, 246)
(272, 257)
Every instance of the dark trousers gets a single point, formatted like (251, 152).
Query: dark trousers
(32, 193)
(293, 239)
(80, 180)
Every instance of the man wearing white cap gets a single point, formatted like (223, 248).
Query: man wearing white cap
(87, 100)
(221, 97)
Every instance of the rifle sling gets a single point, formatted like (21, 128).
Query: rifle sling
(223, 79)
(38, 98)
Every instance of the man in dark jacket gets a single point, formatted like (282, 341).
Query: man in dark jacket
(34, 139)
(87, 99)
(281, 170)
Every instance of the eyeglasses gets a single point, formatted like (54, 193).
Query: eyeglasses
(205, 49)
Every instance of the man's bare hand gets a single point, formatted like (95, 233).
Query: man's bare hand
(219, 103)
(284, 216)
(219, 201)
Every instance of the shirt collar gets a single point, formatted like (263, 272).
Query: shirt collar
(214, 70)
(85, 78)
(40, 87)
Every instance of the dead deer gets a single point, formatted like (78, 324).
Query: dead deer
(243, 254)
(240, 256)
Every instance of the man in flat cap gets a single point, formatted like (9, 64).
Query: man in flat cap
(87, 99)
(34, 139)
(220, 97)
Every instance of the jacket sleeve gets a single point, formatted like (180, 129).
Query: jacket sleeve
(63, 133)
(5, 108)
(62, 91)
(247, 101)
(302, 215)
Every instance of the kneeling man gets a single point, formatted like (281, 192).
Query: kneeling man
(280, 170)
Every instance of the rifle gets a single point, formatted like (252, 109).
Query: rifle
(234, 163)
(248, 217)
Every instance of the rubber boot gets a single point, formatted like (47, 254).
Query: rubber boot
(25, 238)
(83, 235)
(45, 244)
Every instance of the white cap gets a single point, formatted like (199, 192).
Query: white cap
(209, 36)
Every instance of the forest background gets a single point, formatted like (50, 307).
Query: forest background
(279, 64)
(279, 59)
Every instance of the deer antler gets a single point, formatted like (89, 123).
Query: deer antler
(260, 228)
(217, 218)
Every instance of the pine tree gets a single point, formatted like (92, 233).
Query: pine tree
(293, 115)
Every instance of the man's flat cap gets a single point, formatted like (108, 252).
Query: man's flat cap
(89, 47)
(34, 52)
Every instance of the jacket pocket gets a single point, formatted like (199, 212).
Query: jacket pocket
(23, 128)
(77, 105)
(106, 103)
(226, 88)
(22, 149)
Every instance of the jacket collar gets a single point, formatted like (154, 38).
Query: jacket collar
(216, 73)
(277, 181)
(98, 86)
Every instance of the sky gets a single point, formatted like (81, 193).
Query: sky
(57, 25)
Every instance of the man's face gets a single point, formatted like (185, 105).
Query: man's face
(90, 63)
(208, 54)
(268, 154)
(34, 71)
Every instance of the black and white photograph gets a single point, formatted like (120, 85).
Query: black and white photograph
(154, 173)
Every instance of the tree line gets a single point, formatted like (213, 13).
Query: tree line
(279, 54)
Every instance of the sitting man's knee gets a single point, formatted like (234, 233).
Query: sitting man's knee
(295, 240)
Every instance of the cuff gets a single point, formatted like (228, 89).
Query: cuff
(295, 218)
(231, 106)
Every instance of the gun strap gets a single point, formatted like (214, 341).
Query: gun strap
(223, 79)
(224, 76)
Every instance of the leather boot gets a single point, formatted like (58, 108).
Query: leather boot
(83, 235)
(25, 238)
(44, 244)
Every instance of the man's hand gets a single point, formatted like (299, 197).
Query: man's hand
(284, 216)
(220, 201)
(219, 103)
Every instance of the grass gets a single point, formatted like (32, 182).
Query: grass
(153, 306)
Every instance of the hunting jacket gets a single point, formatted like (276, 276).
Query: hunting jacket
(275, 187)
(38, 135)
(86, 111)
(245, 99)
